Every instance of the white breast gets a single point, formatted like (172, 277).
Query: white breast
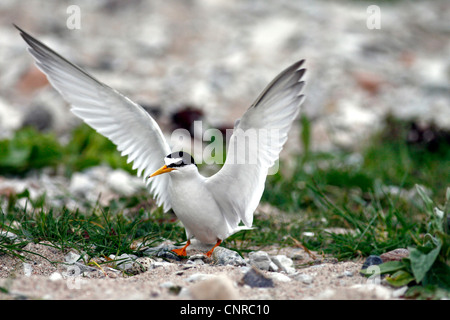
(196, 208)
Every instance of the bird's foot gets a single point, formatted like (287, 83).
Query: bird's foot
(182, 251)
(210, 252)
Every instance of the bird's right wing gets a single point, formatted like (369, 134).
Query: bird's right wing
(125, 123)
(255, 145)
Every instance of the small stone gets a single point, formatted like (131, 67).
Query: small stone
(9, 235)
(198, 277)
(84, 268)
(273, 267)
(256, 279)
(81, 184)
(195, 262)
(260, 260)
(167, 284)
(71, 257)
(158, 264)
(370, 261)
(214, 288)
(39, 118)
(121, 182)
(164, 250)
(348, 273)
(305, 278)
(298, 256)
(124, 261)
(395, 255)
(280, 277)
(55, 276)
(284, 263)
(223, 256)
(198, 257)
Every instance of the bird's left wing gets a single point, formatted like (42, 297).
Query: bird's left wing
(257, 140)
(125, 123)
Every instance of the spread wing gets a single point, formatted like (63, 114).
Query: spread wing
(125, 123)
(255, 145)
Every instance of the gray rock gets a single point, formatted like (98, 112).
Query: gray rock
(348, 273)
(305, 278)
(214, 288)
(124, 261)
(167, 284)
(371, 261)
(39, 118)
(71, 257)
(284, 263)
(256, 279)
(122, 182)
(164, 250)
(273, 267)
(199, 277)
(280, 277)
(195, 262)
(223, 256)
(260, 260)
(198, 257)
(395, 255)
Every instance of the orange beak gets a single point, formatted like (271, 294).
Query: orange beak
(163, 169)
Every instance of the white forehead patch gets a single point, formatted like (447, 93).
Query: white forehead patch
(169, 161)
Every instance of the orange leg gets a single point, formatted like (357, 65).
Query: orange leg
(209, 253)
(182, 251)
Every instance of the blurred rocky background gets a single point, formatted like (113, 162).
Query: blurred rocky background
(197, 59)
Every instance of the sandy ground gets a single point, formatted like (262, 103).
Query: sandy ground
(37, 278)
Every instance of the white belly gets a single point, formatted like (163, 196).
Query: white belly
(197, 210)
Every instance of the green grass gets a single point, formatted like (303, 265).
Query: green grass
(371, 194)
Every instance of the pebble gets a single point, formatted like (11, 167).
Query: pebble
(223, 256)
(71, 257)
(348, 273)
(195, 262)
(9, 235)
(164, 250)
(261, 260)
(280, 277)
(374, 291)
(395, 255)
(198, 257)
(39, 118)
(124, 262)
(198, 277)
(370, 261)
(256, 279)
(214, 288)
(122, 183)
(168, 284)
(305, 278)
(284, 263)
(55, 276)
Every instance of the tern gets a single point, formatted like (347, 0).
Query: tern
(210, 208)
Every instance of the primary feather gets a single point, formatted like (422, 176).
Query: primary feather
(125, 123)
(268, 119)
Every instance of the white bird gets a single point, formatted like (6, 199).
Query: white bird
(210, 209)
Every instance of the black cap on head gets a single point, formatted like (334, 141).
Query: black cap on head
(180, 159)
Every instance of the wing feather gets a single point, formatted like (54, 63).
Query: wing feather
(125, 123)
(239, 185)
